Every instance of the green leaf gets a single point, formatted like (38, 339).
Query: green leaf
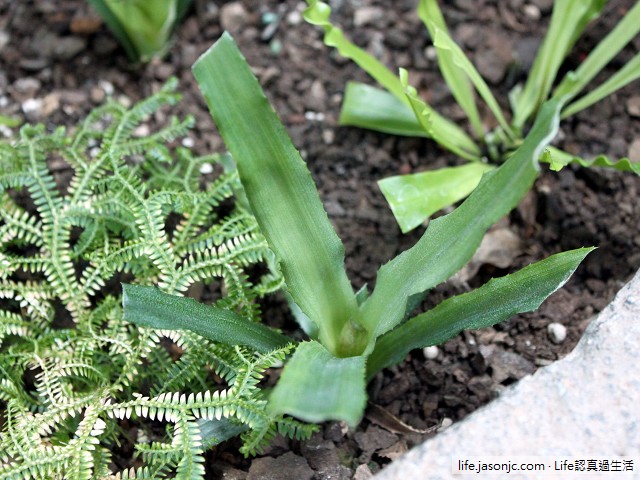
(214, 432)
(282, 196)
(450, 241)
(318, 13)
(316, 386)
(151, 307)
(568, 21)
(558, 159)
(494, 302)
(442, 130)
(607, 48)
(369, 107)
(454, 75)
(443, 41)
(624, 76)
(143, 27)
(415, 197)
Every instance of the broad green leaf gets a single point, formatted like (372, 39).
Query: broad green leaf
(450, 241)
(624, 76)
(151, 307)
(214, 432)
(558, 159)
(432, 17)
(415, 197)
(607, 48)
(142, 26)
(494, 302)
(282, 196)
(443, 41)
(568, 20)
(442, 130)
(369, 107)
(316, 386)
(318, 13)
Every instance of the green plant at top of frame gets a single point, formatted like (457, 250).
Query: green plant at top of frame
(143, 27)
(398, 109)
(352, 335)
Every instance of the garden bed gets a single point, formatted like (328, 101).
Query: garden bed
(58, 62)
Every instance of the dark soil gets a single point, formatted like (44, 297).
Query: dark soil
(59, 55)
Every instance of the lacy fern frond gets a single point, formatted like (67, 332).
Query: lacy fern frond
(74, 376)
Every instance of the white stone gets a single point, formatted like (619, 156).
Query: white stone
(294, 17)
(633, 106)
(532, 12)
(557, 332)
(233, 16)
(430, 52)
(32, 105)
(206, 168)
(431, 352)
(367, 15)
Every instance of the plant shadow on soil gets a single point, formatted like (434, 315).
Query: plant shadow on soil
(71, 64)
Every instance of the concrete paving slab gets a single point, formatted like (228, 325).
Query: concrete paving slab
(585, 405)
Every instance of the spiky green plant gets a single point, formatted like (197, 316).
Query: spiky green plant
(352, 335)
(143, 27)
(80, 211)
(398, 108)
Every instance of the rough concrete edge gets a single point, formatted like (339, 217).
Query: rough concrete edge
(584, 410)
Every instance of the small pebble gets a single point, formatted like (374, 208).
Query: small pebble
(633, 106)
(107, 87)
(206, 168)
(328, 136)
(557, 332)
(187, 142)
(634, 150)
(5, 131)
(4, 39)
(31, 105)
(314, 116)
(446, 423)
(431, 353)
(142, 131)
(532, 12)
(294, 17)
(430, 52)
(27, 85)
(233, 16)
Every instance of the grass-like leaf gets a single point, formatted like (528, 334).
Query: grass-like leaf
(449, 241)
(415, 197)
(318, 13)
(624, 76)
(316, 386)
(143, 27)
(568, 20)
(494, 302)
(558, 159)
(442, 130)
(282, 195)
(150, 307)
(376, 109)
(607, 48)
(443, 41)
(454, 75)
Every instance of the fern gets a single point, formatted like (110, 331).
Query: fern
(71, 369)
